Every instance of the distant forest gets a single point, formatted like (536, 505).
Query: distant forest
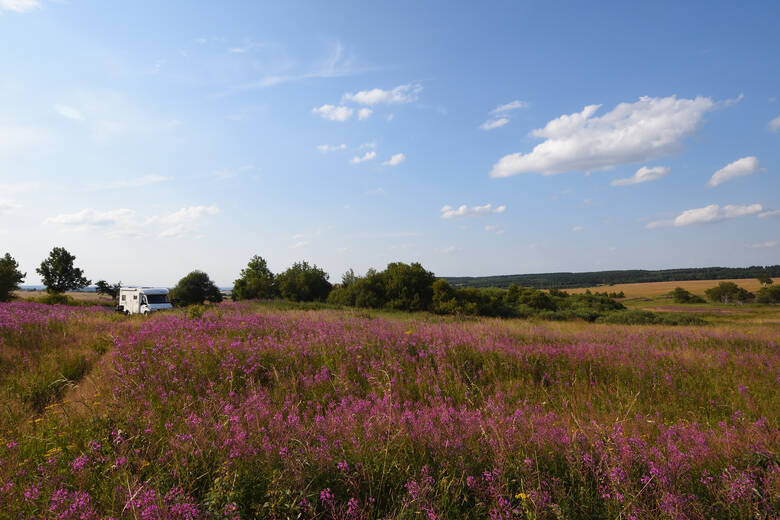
(591, 279)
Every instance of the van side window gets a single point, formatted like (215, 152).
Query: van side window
(135, 296)
(124, 297)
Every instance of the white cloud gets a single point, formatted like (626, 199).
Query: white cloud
(377, 191)
(364, 113)
(448, 250)
(333, 113)
(577, 229)
(464, 210)
(707, 214)
(490, 124)
(390, 117)
(512, 105)
(19, 6)
(366, 157)
(69, 112)
(132, 182)
(490, 228)
(738, 168)
(760, 245)
(121, 222)
(774, 124)
(647, 129)
(6, 206)
(770, 213)
(400, 94)
(299, 244)
(395, 160)
(189, 214)
(643, 174)
(325, 148)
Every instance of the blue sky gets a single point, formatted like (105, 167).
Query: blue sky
(152, 138)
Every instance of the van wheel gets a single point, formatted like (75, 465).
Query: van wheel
(127, 313)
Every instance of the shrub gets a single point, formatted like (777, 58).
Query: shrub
(770, 294)
(194, 289)
(681, 295)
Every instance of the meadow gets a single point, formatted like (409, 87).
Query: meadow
(243, 410)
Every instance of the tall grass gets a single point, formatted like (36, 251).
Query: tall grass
(243, 412)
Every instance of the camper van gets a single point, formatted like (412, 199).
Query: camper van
(143, 300)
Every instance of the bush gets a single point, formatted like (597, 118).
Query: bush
(304, 282)
(681, 295)
(194, 289)
(638, 317)
(770, 294)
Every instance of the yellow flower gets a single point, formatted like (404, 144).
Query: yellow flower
(39, 419)
(408, 332)
(521, 496)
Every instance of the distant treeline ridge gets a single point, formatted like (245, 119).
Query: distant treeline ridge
(591, 279)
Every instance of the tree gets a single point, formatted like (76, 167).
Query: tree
(764, 279)
(768, 294)
(59, 274)
(728, 292)
(255, 282)
(304, 282)
(408, 287)
(194, 289)
(10, 277)
(103, 287)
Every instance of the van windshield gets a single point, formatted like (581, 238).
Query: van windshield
(157, 298)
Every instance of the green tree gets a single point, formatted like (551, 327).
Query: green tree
(765, 280)
(768, 294)
(728, 292)
(304, 282)
(408, 287)
(255, 282)
(194, 289)
(103, 287)
(59, 274)
(10, 277)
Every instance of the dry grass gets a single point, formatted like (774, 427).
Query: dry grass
(91, 297)
(656, 289)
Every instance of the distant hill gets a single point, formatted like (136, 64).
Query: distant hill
(591, 279)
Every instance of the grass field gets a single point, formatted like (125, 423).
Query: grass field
(246, 411)
(656, 289)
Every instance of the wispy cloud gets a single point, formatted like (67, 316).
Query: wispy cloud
(494, 123)
(708, 214)
(762, 245)
(647, 129)
(512, 105)
(364, 113)
(375, 96)
(326, 148)
(395, 160)
(19, 6)
(6, 206)
(368, 156)
(643, 174)
(770, 213)
(738, 168)
(464, 210)
(577, 229)
(774, 124)
(69, 112)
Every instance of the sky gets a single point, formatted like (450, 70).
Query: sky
(479, 138)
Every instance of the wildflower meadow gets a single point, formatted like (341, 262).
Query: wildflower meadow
(244, 411)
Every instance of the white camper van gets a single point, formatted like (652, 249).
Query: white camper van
(143, 300)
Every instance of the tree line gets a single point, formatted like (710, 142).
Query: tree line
(591, 279)
(400, 286)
